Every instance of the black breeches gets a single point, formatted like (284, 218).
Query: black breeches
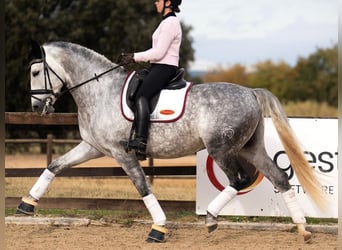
(158, 77)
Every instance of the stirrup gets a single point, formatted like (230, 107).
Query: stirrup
(138, 145)
(125, 145)
(140, 154)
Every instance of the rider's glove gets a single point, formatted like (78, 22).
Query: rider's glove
(126, 58)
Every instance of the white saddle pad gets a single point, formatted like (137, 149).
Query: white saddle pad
(170, 106)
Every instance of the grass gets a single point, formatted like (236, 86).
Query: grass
(310, 109)
(108, 215)
(127, 217)
(119, 188)
(122, 188)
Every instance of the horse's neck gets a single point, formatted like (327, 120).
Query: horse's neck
(81, 65)
(97, 92)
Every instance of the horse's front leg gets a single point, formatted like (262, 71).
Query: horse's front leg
(131, 166)
(81, 153)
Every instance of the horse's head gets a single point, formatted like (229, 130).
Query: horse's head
(47, 78)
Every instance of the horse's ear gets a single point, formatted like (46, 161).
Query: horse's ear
(36, 51)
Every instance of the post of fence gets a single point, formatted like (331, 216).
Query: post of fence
(151, 165)
(49, 149)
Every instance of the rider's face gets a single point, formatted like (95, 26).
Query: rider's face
(160, 5)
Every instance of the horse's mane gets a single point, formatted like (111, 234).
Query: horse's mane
(87, 53)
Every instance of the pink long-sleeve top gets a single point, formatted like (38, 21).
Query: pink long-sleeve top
(166, 41)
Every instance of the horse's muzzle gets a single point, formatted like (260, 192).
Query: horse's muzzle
(43, 107)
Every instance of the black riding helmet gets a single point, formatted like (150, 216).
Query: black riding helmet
(174, 5)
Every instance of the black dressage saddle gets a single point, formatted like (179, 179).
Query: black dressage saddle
(177, 82)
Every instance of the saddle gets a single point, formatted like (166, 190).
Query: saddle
(176, 83)
(166, 106)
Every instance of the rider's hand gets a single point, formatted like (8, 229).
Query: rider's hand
(126, 58)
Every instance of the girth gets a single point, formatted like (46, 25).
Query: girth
(177, 82)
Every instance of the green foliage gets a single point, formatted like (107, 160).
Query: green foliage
(313, 78)
(272, 76)
(317, 76)
(235, 74)
(106, 26)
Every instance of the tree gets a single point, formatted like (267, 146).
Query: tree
(312, 78)
(235, 74)
(317, 76)
(106, 26)
(276, 77)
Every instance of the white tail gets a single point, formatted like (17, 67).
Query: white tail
(271, 106)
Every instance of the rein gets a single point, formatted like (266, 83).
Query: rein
(96, 77)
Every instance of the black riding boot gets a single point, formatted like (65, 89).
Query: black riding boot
(142, 118)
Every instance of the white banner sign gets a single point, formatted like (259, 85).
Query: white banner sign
(318, 138)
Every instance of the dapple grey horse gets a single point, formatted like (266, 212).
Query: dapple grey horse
(226, 119)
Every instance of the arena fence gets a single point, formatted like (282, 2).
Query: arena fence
(20, 118)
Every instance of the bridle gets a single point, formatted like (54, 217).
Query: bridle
(48, 90)
(46, 103)
(47, 80)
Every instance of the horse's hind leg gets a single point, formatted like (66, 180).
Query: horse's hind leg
(237, 179)
(77, 155)
(254, 153)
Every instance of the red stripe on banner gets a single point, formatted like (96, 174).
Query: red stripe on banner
(220, 187)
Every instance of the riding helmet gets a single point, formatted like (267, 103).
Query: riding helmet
(175, 4)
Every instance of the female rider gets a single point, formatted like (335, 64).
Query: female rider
(164, 57)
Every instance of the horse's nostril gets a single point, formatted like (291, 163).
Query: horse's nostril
(35, 107)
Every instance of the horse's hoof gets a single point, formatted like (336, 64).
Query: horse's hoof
(210, 222)
(305, 237)
(26, 207)
(211, 228)
(157, 234)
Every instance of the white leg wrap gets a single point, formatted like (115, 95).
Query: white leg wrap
(295, 210)
(221, 200)
(155, 210)
(42, 184)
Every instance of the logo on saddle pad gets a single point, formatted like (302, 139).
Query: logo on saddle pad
(168, 106)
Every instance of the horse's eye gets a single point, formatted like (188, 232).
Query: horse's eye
(35, 73)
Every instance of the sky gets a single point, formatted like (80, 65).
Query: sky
(227, 32)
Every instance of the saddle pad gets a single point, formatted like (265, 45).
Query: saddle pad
(170, 106)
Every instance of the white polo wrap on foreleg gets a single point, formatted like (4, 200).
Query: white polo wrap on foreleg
(221, 200)
(42, 184)
(155, 210)
(295, 210)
